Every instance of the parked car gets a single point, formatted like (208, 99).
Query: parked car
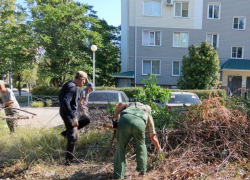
(102, 99)
(179, 100)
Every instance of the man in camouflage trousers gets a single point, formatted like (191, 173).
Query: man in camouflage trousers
(8, 100)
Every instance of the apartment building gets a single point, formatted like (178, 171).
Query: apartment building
(156, 35)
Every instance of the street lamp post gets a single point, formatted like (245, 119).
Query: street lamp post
(94, 48)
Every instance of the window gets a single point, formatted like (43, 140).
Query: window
(151, 67)
(96, 96)
(239, 23)
(152, 8)
(237, 52)
(213, 11)
(176, 68)
(180, 39)
(181, 9)
(151, 38)
(213, 39)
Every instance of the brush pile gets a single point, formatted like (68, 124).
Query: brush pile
(204, 141)
(209, 133)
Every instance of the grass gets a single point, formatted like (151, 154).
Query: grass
(31, 145)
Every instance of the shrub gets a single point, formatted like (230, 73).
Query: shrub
(48, 103)
(148, 94)
(131, 92)
(45, 90)
(37, 104)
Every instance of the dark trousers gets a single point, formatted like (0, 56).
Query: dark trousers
(72, 134)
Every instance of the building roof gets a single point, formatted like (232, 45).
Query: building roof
(128, 74)
(236, 64)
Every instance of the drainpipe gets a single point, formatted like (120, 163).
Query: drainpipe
(135, 38)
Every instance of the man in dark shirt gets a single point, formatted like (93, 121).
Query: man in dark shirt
(68, 98)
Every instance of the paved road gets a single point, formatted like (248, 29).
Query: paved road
(46, 117)
(24, 92)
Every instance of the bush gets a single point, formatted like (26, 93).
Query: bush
(48, 103)
(46, 90)
(131, 92)
(37, 104)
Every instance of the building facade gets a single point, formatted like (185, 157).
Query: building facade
(156, 35)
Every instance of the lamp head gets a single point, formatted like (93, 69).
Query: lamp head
(93, 48)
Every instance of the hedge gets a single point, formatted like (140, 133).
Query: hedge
(129, 91)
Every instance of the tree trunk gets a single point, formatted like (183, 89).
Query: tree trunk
(19, 84)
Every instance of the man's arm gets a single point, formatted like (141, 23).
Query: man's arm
(121, 106)
(152, 133)
(8, 103)
(155, 141)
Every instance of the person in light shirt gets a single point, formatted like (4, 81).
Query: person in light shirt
(8, 101)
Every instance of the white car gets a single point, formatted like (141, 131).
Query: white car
(102, 99)
(179, 100)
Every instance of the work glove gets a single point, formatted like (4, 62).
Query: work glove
(160, 151)
(115, 124)
(74, 122)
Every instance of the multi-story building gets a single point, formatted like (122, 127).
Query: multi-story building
(156, 35)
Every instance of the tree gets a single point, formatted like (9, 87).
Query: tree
(64, 32)
(18, 46)
(30, 76)
(107, 57)
(201, 69)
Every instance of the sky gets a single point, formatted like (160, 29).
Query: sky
(109, 10)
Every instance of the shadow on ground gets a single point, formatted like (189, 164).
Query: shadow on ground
(79, 175)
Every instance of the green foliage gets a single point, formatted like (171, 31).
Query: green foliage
(201, 69)
(46, 90)
(37, 104)
(29, 76)
(63, 32)
(151, 92)
(111, 107)
(107, 56)
(18, 45)
(238, 102)
(48, 103)
(130, 91)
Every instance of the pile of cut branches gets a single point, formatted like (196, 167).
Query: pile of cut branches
(208, 133)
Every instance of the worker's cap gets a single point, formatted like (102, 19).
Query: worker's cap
(1, 82)
(81, 75)
(148, 108)
(90, 84)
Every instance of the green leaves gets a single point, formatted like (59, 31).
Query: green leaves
(149, 94)
(58, 36)
(201, 69)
